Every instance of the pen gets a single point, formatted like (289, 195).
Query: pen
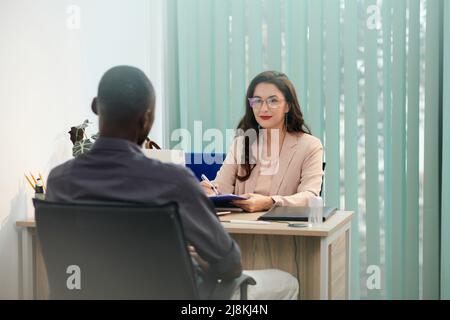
(247, 222)
(205, 178)
(34, 179)
(29, 181)
(43, 184)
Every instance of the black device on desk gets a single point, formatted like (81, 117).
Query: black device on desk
(294, 213)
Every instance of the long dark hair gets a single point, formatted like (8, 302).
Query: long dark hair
(294, 122)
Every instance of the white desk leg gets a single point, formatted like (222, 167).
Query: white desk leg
(324, 261)
(349, 261)
(27, 264)
(324, 266)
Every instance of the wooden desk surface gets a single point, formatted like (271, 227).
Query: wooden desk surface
(333, 224)
(339, 219)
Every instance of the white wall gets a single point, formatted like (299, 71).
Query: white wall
(48, 76)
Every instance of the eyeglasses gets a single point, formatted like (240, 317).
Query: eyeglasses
(272, 102)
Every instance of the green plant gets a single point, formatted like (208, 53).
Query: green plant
(81, 142)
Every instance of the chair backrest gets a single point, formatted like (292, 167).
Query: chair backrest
(205, 163)
(114, 252)
(321, 186)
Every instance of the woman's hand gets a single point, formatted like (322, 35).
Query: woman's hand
(255, 202)
(207, 187)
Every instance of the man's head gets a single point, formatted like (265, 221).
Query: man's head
(125, 104)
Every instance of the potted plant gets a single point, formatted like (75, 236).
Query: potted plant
(81, 142)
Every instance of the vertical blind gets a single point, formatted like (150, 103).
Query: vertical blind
(368, 74)
(445, 220)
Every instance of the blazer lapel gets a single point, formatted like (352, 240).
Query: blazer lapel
(286, 154)
(250, 184)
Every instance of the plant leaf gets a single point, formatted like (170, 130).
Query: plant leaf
(81, 147)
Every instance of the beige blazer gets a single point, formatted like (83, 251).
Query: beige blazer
(298, 178)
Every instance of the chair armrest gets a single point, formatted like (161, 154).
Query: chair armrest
(225, 289)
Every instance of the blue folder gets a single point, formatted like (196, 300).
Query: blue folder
(224, 198)
(196, 162)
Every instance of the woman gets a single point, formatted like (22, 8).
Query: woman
(281, 163)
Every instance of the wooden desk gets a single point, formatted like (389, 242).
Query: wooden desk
(319, 257)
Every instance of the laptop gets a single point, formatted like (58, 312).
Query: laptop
(294, 213)
(166, 156)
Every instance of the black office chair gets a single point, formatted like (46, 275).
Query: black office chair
(119, 252)
(321, 186)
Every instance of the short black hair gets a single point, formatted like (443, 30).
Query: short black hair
(124, 93)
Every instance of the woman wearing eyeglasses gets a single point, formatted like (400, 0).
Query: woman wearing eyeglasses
(274, 160)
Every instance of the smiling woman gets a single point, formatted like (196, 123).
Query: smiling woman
(282, 163)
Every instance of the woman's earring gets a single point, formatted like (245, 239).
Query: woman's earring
(286, 121)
